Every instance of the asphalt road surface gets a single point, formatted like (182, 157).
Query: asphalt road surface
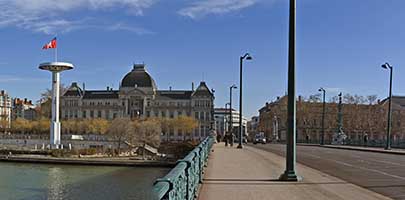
(379, 172)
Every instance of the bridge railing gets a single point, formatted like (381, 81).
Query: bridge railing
(181, 183)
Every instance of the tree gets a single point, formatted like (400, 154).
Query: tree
(371, 99)
(4, 125)
(166, 125)
(185, 124)
(147, 132)
(120, 130)
(315, 98)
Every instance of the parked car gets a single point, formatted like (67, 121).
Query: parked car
(259, 138)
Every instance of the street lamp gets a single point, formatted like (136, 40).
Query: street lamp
(247, 57)
(323, 116)
(388, 143)
(230, 109)
(289, 173)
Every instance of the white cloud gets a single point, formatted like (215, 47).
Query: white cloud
(202, 8)
(125, 27)
(47, 16)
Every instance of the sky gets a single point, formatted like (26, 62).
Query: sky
(340, 45)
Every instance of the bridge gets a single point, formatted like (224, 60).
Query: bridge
(328, 173)
(214, 171)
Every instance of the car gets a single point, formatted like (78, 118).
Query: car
(259, 138)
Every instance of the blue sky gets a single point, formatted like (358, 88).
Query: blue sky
(340, 45)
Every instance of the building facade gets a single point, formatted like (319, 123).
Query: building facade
(358, 121)
(253, 127)
(222, 121)
(5, 110)
(139, 97)
(23, 108)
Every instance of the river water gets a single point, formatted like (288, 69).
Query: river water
(23, 181)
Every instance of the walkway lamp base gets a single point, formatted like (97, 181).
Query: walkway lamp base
(239, 147)
(290, 176)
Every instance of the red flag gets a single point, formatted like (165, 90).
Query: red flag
(51, 44)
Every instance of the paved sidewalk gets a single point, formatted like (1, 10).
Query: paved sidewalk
(252, 173)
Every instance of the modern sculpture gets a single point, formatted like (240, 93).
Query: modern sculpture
(55, 68)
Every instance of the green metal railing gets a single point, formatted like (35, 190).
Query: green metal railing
(181, 183)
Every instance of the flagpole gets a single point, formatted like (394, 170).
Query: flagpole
(56, 54)
(56, 49)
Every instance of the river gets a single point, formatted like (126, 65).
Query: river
(23, 181)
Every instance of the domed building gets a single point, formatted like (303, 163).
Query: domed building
(138, 97)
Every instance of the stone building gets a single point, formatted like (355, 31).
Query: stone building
(358, 121)
(5, 109)
(222, 121)
(23, 108)
(252, 127)
(139, 97)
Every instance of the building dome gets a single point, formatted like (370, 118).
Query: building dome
(138, 77)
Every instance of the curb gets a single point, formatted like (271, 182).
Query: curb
(356, 149)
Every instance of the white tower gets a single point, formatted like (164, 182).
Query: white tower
(55, 68)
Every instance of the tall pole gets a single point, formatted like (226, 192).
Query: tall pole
(323, 117)
(240, 103)
(55, 126)
(289, 173)
(388, 144)
(230, 110)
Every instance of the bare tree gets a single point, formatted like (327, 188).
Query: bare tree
(315, 98)
(371, 99)
(120, 129)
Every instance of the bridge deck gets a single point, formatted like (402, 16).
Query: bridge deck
(252, 173)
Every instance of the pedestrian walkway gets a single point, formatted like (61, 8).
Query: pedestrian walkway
(251, 173)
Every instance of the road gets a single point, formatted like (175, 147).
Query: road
(382, 173)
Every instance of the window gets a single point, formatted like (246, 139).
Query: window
(99, 114)
(196, 115)
(156, 114)
(91, 114)
(171, 114)
(148, 113)
(107, 114)
(84, 114)
(163, 113)
(179, 113)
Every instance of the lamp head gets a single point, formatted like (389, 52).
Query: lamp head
(249, 57)
(386, 66)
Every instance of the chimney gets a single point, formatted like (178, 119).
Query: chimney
(108, 88)
(278, 98)
(170, 88)
(192, 86)
(25, 100)
(299, 98)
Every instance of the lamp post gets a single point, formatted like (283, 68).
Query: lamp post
(323, 116)
(230, 108)
(388, 143)
(247, 57)
(289, 173)
(226, 122)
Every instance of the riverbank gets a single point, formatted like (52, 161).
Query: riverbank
(110, 161)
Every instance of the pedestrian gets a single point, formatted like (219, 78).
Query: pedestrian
(231, 138)
(218, 138)
(226, 138)
(365, 139)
